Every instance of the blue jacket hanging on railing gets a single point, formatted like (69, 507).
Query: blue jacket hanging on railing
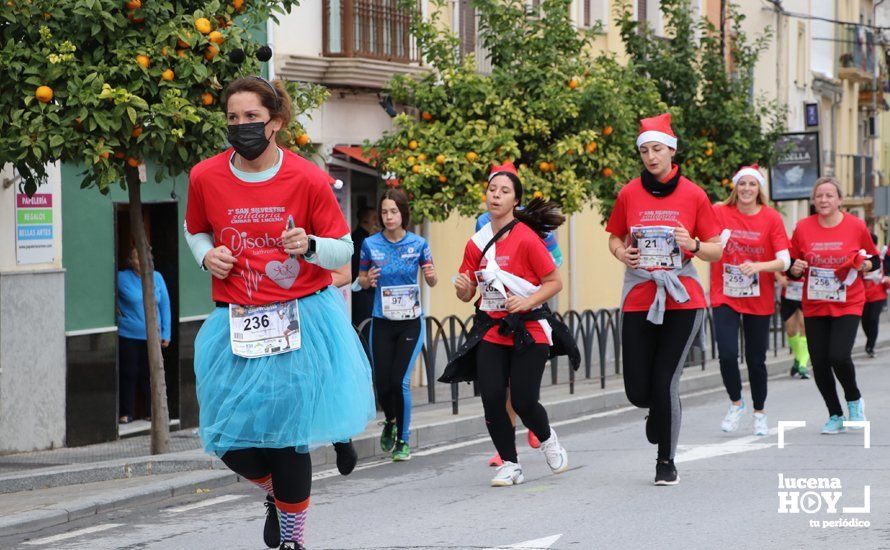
(462, 367)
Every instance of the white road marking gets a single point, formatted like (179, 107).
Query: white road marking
(72, 534)
(203, 503)
(740, 445)
(536, 544)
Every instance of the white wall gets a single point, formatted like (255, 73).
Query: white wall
(300, 32)
(822, 52)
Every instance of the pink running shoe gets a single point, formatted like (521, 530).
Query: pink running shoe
(495, 461)
(533, 440)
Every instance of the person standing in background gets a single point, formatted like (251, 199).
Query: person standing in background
(362, 299)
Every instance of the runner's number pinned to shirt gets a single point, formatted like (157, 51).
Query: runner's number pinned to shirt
(260, 331)
(794, 291)
(738, 285)
(492, 298)
(823, 284)
(400, 302)
(658, 246)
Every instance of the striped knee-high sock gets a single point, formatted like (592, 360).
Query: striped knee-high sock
(264, 483)
(292, 520)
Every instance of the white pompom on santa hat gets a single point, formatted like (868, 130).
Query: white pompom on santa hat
(753, 171)
(657, 129)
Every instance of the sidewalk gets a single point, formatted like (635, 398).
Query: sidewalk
(46, 488)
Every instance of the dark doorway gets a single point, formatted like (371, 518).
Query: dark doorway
(161, 224)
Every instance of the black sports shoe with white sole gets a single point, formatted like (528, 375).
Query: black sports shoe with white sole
(666, 473)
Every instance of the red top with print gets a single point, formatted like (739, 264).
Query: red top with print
(830, 247)
(687, 205)
(754, 238)
(875, 291)
(248, 218)
(522, 253)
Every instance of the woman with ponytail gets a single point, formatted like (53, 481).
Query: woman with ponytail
(514, 332)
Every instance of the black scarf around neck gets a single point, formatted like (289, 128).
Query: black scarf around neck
(657, 188)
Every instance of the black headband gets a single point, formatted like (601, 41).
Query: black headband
(274, 91)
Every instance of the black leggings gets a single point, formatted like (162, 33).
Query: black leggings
(291, 471)
(871, 318)
(726, 330)
(654, 356)
(830, 341)
(134, 375)
(394, 349)
(501, 366)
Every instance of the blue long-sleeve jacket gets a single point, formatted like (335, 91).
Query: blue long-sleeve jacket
(131, 314)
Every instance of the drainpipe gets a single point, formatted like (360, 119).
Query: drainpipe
(573, 270)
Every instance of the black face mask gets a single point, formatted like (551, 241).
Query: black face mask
(249, 140)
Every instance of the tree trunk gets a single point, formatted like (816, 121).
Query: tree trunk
(160, 416)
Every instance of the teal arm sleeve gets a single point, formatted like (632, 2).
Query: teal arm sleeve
(331, 253)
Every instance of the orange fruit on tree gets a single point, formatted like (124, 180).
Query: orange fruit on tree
(607, 131)
(421, 157)
(412, 144)
(482, 196)
(238, 4)
(212, 51)
(590, 147)
(180, 43)
(544, 166)
(538, 195)
(168, 75)
(207, 98)
(574, 82)
(416, 168)
(442, 178)
(302, 140)
(137, 131)
(44, 94)
(570, 152)
(143, 61)
(725, 182)
(182, 53)
(134, 4)
(119, 154)
(426, 116)
(134, 162)
(135, 17)
(471, 156)
(709, 152)
(216, 37)
(104, 155)
(440, 159)
(607, 172)
(412, 160)
(202, 24)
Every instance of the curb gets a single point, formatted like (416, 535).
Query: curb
(33, 520)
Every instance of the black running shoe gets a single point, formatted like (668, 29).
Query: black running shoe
(870, 352)
(346, 457)
(271, 531)
(795, 368)
(666, 473)
(291, 546)
(651, 432)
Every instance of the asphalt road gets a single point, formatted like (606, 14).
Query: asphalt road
(728, 495)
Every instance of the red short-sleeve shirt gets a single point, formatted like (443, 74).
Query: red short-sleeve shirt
(687, 205)
(830, 248)
(522, 253)
(754, 238)
(248, 218)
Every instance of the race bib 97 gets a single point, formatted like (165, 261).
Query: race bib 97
(658, 246)
(492, 299)
(823, 284)
(260, 331)
(738, 285)
(400, 303)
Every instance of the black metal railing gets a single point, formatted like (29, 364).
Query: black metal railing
(597, 333)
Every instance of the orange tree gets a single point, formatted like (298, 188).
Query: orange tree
(720, 124)
(566, 119)
(111, 84)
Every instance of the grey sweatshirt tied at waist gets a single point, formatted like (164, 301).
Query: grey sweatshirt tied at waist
(665, 279)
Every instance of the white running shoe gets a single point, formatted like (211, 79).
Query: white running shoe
(761, 427)
(508, 474)
(557, 457)
(733, 417)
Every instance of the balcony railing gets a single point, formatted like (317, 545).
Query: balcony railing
(857, 59)
(860, 168)
(373, 29)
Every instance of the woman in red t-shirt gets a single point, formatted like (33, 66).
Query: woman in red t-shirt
(508, 260)
(876, 283)
(279, 368)
(659, 222)
(831, 249)
(742, 290)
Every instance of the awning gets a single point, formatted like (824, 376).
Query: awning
(355, 153)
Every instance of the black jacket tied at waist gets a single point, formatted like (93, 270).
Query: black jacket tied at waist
(462, 367)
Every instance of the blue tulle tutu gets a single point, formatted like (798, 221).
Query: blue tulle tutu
(316, 395)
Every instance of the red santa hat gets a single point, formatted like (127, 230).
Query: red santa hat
(507, 169)
(753, 171)
(849, 270)
(658, 129)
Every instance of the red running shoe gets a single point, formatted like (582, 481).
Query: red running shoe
(533, 440)
(495, 461)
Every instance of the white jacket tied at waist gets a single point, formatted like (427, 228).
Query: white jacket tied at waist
(502, 280)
